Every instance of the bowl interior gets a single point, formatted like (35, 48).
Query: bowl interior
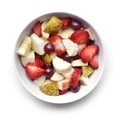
(34, 89)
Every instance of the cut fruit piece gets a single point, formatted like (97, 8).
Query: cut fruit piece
(60, 65)
(47, 82)
(53, 26)
(28, 58)
(80, 47)
(84, 80)
(40, 81)
(57, 42)
(56, 77)
(63, 84)
(37, 28)
(87, 71)
(38, 60)
(66, 33)
(61, 92)
(80, 37)
(75, 78)
(38, 44)
(94, 62)
(66, 22)
(68, 74)
(50, 89)
(33, 72)
(44, 34)
(71, 47)
(90, 33)
(78, 62)
(89, 52)
(25, 46)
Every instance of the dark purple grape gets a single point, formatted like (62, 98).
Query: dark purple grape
(49, 72)
(76, 25)
(49, 48)
(75, 89)
(66, 57)
(90, 42)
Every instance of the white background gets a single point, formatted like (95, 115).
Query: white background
(104, 101)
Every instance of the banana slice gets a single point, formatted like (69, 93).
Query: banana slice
(25, 46)
(38, 44)
(71, 47)
(78, 62)
(57, 77)
(66, 33)
(60, 65)
(84, 80)
(29, 58)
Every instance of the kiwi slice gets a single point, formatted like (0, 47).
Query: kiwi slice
(50, 89)
(53, 25)
(87, 71)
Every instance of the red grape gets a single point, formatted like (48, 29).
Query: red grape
(49, 48)
(49, 72)
(76, 25)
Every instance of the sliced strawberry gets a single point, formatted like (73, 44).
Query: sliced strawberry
(39, 61)
(94, 62)
(66, 22)
(61, 92)
(80, 37)
(37, 28)
(57, 42)
(75, 78)
(33, 71)
(88, 52)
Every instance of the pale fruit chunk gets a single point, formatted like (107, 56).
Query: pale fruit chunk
(71, 47)
(25, 46)
(68, 74)
(56, 77)
(47, 82)
(78, 62)
(38, 44)
(40, 81)
(28, 58)
(63, 84)
(60, 65)
(90, 33)
(66, 33)
(53, 26)
(84, 80)
(80, 47)
(44, 34)
(87, 71)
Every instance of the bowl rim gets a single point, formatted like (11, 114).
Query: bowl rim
(51, 97)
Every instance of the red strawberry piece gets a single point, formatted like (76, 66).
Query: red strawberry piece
(75, 78)
(57, 42)
(37, 28)
(39, 61)
(66, 22)
(61, 92)
(80, 37)
(88, 52)
(33, 71)
(94, 62)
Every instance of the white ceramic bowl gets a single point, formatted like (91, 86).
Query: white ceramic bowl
(69, 97)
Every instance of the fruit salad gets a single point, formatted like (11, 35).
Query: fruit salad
(59, 55)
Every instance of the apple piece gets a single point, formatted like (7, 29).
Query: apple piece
(56, 77)
(84, 80)
(63, 84)
(44, 34)
(66, 33)
(71, 47)
(38, 44)
(60, 65)
(28, 58)
(25, 46)
(40, 81)
(78, 62)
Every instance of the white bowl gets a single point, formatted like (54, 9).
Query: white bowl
(69, 97)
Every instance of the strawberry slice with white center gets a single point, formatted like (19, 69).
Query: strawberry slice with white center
(33, 71)
(94, 62)
(89, 52)
(57, 42)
